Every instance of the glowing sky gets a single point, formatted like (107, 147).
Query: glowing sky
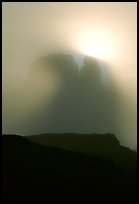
(107, 31)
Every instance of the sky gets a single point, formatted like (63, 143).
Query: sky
(107, 31)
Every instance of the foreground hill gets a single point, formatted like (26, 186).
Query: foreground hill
(32, 172)
(105, 146)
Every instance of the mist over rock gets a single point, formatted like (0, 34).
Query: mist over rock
(91, 72)
(60, 97)
(97, 103)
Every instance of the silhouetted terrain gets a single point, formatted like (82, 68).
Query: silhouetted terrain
(32, 172)
(105, 146)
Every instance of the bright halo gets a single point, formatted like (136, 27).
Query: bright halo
(98, 43)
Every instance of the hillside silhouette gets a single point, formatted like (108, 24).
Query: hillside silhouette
(33, 172)
(105, 146)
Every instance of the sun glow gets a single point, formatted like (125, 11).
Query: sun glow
(98, 43)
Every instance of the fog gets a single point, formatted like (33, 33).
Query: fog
(107, 31)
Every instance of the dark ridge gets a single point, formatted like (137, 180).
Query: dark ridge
(100, 137)
(32, 172)
(105, 146)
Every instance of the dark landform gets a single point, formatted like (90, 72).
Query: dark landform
(34, 172)
(105, 146)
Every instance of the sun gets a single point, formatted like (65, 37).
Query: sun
(97, 43)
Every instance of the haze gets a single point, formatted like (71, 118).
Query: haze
(107, 31)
